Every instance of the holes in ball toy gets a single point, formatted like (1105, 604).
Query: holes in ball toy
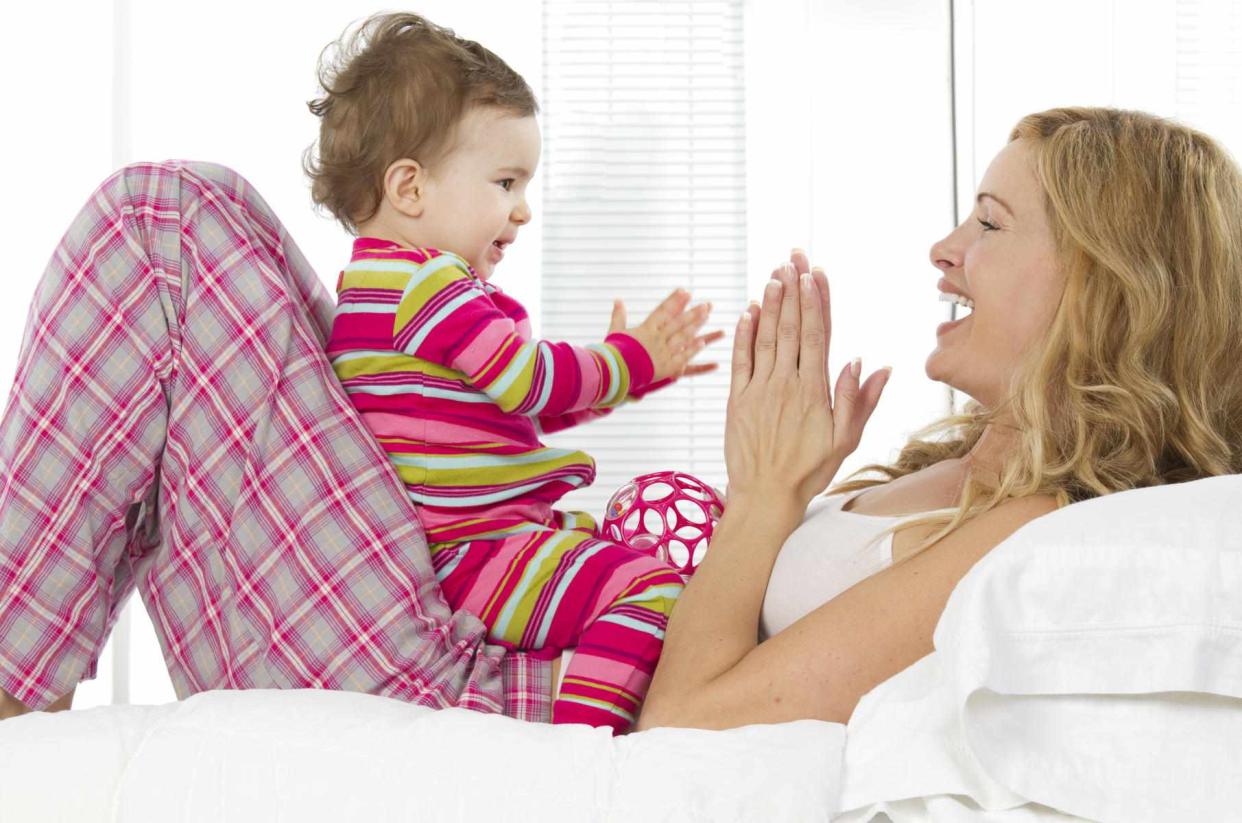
(696, 493)
(699, 551)
(678, 553)
(691, 512)
(652, 521)
(631, 524)
(643, 542)
(657, 491)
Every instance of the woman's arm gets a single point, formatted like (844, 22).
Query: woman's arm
(714, 675)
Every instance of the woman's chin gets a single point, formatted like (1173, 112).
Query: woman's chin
(938, 371)
(934, 366)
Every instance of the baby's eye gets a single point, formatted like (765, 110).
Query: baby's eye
(987, 226)
(506, 184)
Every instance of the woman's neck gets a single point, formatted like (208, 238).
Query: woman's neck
(988, 455)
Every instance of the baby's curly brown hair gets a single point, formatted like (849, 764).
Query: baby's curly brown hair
(397, 87)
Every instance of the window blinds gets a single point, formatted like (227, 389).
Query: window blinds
(644, 192)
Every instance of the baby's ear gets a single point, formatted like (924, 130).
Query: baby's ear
(403, 186)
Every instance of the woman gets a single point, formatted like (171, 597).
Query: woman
(1105, 263)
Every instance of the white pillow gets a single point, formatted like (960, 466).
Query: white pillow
(1131, 593)
(1096, 655)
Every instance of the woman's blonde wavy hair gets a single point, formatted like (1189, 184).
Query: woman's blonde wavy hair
(1138, 379)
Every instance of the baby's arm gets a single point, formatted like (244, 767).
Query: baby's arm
(549, 423)
(667, 336)
(445, 317)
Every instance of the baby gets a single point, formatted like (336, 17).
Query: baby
(427, 145)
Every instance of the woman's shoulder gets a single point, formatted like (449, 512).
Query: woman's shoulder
(983, 532)
(937, 489)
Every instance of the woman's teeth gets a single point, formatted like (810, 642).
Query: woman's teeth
(946, 297)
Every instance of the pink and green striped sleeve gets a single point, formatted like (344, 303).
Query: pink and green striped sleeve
(445, 317)
(549, 423)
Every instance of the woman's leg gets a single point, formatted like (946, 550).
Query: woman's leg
(175, 424)
(80, 440)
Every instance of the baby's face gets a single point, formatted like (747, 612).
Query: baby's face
(475, 197)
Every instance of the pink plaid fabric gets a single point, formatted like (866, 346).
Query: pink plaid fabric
(175, 427)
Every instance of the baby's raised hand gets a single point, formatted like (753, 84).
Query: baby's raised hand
(669, 335)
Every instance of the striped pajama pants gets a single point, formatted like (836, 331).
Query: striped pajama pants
(559, 586)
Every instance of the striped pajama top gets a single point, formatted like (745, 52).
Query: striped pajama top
(441, 367)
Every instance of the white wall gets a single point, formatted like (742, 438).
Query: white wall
(849, 156)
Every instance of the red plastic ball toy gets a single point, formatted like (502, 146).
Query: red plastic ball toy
(667, 514)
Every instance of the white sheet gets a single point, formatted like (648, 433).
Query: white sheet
(332, 756)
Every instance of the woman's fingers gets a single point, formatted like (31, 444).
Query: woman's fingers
(854, 403)
(789, 324)
(868, 398)
(821, 281)
(765, 332)
(797, 259)
(743, 354)
(813, 355)
(800, 261)
(872, 389)
(844, 409)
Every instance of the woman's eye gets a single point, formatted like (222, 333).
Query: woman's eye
(986, 225)
(507, 183)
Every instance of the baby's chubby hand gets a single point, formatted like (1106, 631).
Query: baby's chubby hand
(669, 335)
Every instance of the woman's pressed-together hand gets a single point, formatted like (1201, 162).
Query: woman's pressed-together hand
(786, 436)
(785, 432)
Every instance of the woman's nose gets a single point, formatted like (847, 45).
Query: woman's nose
(944, 253)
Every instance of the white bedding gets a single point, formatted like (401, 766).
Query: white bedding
(311, 756)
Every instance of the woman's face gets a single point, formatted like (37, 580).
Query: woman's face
(1008, 268)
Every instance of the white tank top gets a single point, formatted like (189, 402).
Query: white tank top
(827, 554)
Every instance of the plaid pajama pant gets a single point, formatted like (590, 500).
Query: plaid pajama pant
(175, 427)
